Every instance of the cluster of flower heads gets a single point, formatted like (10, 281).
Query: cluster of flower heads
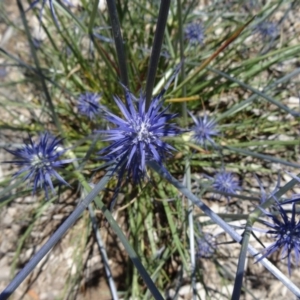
(39, 161)
(137, 139)
(204, 131)
(89, 105)
(285, 231)
(194, 33)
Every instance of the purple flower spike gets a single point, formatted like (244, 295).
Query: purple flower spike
(194, 33)
(225, 182)
(137, 138)
(88, 105)
(39, 161)
(204, 130)
(286, 232)
(34, 4)
(206, 245)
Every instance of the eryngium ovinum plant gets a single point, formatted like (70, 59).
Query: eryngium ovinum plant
(104, 129)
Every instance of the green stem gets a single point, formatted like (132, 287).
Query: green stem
(187, 163)
(132, 254)
(38, 68)
(156, 48)
(111, 5)
(93, 16)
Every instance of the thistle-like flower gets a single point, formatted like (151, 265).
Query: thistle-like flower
(137, 138)
(39, 161)
(88, 105)
(286, 233)
(52, 10)
(204, 130)
(267, 30)
(206, 245)
(194, 33)
(225, 182)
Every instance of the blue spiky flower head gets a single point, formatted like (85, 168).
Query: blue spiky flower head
(267, 30)
(204, 130)
(39, 161)
(194, 33)
(285, 231)
(206, 245)
(137, 137)
(52, 10)
(225, 182)
(88, 105)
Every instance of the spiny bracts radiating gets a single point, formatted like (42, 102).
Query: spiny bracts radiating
(39, 161)
(225, 182)
(204, 130)
(137, 138)
(285, 231)
(88, 105)
(194, 33)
